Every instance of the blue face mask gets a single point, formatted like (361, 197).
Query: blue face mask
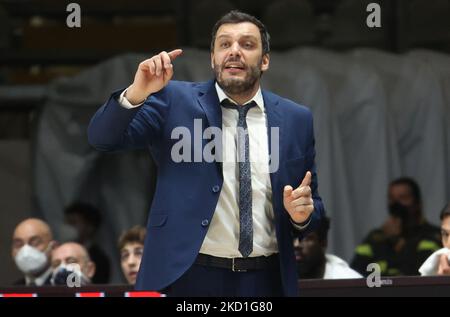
(60, 276)
(69, 275)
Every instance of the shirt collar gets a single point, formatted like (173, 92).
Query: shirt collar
(258, 98)
(40, 280)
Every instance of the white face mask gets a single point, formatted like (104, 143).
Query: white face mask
(30, 260)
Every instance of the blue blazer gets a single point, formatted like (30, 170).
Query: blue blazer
(186, 193)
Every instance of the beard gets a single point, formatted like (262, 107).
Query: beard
(235, 85)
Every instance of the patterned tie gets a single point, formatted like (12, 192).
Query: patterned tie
(245, 179)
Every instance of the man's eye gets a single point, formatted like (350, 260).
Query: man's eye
(138, 252)
(224, 45)
(248, 45)
(17, 244)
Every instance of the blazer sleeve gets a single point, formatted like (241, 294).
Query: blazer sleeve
(115, 128)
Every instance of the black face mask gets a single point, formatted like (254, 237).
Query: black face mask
(60, 277)
(399, 210)
(65, 276)
(407, 214)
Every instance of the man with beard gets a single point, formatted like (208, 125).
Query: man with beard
(220, 226)
(405, 240)
(312, 260)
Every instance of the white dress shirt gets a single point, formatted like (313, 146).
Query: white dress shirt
(336, 268)
(222, 238)
(40, 280)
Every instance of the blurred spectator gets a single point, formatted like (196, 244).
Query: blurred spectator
(131, 246)
(405, 240)
(32, 243)
(86, 220)
(68, 259)
(445, 226)
(439, 262)
(312, 260)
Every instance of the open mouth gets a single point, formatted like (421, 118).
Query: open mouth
(233, 67)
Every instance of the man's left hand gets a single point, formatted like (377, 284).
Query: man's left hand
(299, 203)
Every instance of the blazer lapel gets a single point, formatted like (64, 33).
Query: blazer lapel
(275, 131)
(209, 101)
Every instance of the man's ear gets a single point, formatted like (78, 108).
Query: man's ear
(52, 245)
(265, 62)
(212, 60)
(90, 269)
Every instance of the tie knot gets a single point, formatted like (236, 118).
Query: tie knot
(241, 109)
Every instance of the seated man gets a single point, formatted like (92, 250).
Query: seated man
(32, 243)
(439, 262)
(131, 246)
(406, 238)
(71, 265)
(86, 220)
(313, 262)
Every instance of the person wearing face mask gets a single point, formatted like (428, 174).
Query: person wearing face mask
(32, 243)
(405, 240)
(85, 219)
(71, 264)
(131, 246)
(312, 260)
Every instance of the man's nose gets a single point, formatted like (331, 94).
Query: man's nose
(235, 49)
(131, 261)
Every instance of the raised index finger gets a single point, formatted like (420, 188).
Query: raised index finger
(175, 53)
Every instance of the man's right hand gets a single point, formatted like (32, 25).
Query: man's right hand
(444, 266)
(152, 75)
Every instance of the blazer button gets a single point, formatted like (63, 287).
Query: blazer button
(205, 222)
(216, 188)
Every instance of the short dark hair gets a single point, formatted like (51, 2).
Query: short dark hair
(322, 229)
(413, 186)
(236, 16)
(135, 234)
(88, 212)
(445, 212)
